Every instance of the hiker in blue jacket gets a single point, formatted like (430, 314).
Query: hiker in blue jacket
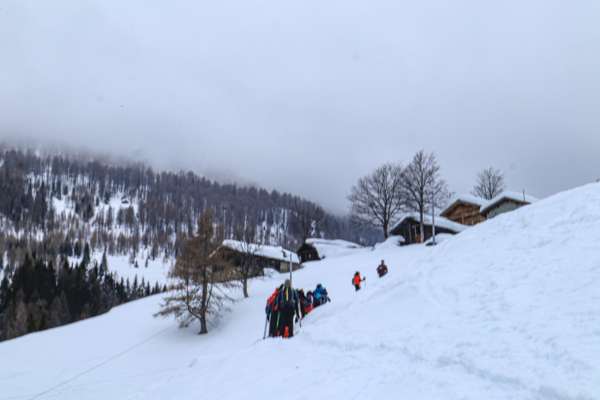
(320, 295)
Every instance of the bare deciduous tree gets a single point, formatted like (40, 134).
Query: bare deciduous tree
(375, 199)
(245, 235)
(422, 186)
(202, 278)
(490, 183)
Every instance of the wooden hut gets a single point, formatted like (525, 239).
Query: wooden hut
(274, 257)
(464, 209)
(409, 228)
(308, 252)
(505, 202)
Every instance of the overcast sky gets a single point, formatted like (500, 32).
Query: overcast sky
(306, 96)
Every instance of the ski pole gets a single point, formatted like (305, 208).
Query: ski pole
(266, 324)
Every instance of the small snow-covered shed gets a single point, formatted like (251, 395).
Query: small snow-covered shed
(317, 249)
(409, 227)
(505, 202)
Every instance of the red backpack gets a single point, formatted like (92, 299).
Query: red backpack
(271, 299)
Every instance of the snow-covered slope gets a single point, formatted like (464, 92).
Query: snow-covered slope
(509, 309)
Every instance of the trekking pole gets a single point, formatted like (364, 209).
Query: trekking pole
(266, 324)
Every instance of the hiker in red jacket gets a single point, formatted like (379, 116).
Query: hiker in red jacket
(306, 304)
(273, 313)
(357, 280)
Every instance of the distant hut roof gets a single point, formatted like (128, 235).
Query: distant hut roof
(272, 252)
(510, 196)
(332, 247)
(464, 199)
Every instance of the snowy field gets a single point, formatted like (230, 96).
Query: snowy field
(156, 271)
(509, 309)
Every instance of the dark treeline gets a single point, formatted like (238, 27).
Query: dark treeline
(122, 208)
(41, 295)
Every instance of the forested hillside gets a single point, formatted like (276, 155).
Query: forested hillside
(55, 209)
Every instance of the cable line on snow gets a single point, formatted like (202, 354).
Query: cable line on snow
(101, 364)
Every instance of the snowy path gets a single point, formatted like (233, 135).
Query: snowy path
(506, 310)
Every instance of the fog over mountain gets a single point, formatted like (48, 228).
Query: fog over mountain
(306, 97)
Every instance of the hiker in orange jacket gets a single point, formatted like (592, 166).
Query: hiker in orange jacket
(357, 280)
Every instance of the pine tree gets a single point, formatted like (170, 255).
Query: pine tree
(59, 311)
(17, 317)
(134, 288)
(86, 256)
(104, 264)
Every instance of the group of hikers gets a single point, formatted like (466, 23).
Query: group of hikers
(357, 280)
(287, 305)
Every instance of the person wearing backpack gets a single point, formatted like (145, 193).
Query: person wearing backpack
(310, 301)
(357, 280)
(382, 269)
(320, 295)
(288, 305)
(272, 312)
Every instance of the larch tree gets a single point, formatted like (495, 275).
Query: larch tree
(375, 199)
(201, 278)
(423, 187)
(490, 183)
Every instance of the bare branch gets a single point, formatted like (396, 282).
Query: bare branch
(422, 185)
(490, 183)
(375, 199)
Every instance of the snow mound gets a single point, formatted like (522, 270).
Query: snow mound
(508, 309)
(390, 243)
(439, 238)
(332, 248)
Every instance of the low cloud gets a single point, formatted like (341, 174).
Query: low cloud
(306, 97)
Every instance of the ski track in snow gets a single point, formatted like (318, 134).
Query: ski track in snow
(508, 309)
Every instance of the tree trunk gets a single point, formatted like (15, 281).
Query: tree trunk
(204, 305)
(385, 230)
(245, 286)
(421, 227)
(203, 327)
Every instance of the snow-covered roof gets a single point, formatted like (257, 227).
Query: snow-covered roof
(332, 247)
(439, 222)
(508, 195)
(463, 198)
(272, 252)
